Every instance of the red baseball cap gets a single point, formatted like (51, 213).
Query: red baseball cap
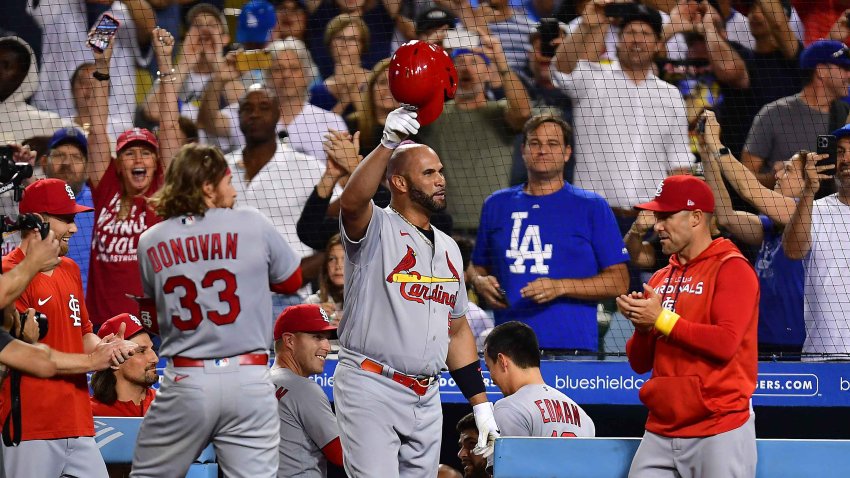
(303, 318)
(111, 326)
(137, 135)
(52, 196)
(681, 193)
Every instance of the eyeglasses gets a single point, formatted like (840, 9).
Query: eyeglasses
(64, 158)
(552, 145)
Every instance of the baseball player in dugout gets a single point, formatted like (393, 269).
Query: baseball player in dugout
(474, 465)
(209, 269)
(50, 419)
(696, 330)
(309, 437)
(530, 407)
(126, 391)
(405, 300)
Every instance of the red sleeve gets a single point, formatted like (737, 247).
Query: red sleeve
(333, 452)
(640, 349)
(736, 295)
(290, 285)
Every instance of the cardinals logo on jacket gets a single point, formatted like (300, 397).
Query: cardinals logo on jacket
(415, 287)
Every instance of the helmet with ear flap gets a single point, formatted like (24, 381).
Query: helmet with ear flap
(421, 74)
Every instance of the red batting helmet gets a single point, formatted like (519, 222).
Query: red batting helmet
(422, 74)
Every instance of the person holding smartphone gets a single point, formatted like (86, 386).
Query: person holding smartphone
(818, 233)
(121, 185)
(618, 109)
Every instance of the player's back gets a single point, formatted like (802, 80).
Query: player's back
(539, 410)
(210, 277)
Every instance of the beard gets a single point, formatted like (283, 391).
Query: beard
(419, 196)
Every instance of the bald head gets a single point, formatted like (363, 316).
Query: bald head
(415, 177)
(259, 112)
(403, 158)
(259, 90)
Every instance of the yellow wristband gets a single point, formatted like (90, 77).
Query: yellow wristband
(666, 321)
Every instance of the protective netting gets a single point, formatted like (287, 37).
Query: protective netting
(296, 93)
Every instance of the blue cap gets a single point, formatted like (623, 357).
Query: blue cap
(842, 132)
(466, 51)
(825, 51)
(69, 135)
(256, 21)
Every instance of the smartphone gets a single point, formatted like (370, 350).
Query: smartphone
(503, 296)
(460, 38)
(101, 36)
(701, 125)
(620, 10)
(548, 30)
(248, 60)
(827, 144)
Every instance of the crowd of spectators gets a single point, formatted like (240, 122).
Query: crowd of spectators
(302, 95)
(547, 147)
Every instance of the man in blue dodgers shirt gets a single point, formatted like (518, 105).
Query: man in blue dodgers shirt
(547, 251)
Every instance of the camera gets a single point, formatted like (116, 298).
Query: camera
(41, 320)
(12, 174)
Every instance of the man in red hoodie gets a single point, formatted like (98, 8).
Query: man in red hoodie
(695, 328)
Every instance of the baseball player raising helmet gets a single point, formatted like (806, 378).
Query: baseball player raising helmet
(209, 268)
(405, 298)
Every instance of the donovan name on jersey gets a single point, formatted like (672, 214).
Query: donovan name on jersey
(203, 247)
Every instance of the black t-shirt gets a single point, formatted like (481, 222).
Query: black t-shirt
(5, 339)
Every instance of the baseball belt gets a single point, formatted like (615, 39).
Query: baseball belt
(419, 385)
(244, 359)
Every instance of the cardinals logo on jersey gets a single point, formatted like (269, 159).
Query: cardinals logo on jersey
(403, 273)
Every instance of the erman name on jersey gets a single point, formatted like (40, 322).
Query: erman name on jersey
(204, 247)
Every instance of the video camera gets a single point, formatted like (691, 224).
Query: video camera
(12, 174)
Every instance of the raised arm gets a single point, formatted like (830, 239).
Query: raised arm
(99, 153)
(727, 64)
(356, 199)
(584, 41)
(144, 18)
(187, 60)
(169, 127)
(742, 225)
(210, 118)
(42, 256)
(402, 23)
(780, 27)
(767, 201)
(797, 237)
(519, 103)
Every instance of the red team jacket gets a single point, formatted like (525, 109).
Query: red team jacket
(123, 409)
(55, 407)
(704, 373)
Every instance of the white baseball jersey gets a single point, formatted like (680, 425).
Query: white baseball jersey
(401, 294)
(210, 277)
(307, 424)
(539, 410)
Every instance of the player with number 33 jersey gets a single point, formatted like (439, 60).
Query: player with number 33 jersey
(210, 269)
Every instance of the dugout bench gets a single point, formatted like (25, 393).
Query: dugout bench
(611, 457)
(116, 439)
